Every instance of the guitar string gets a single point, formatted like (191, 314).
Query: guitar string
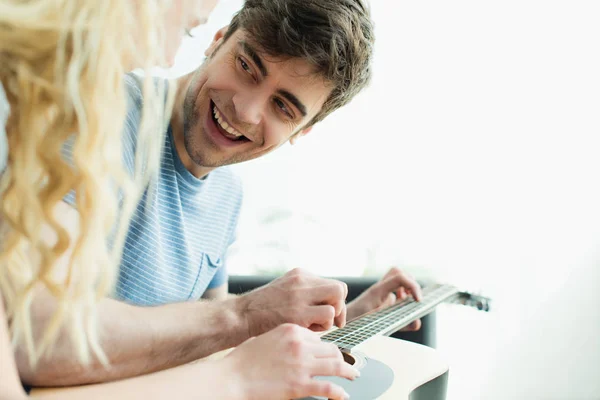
(398, 309)
(354, 338)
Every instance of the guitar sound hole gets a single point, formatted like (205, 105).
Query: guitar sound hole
(348, 358)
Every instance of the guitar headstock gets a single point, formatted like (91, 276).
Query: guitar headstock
(472, 300)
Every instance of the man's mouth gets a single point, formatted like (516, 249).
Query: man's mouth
(224, 127)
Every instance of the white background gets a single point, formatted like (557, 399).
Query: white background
(472, 159)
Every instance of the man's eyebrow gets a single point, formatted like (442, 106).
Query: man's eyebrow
(249, 50)
(294, 100)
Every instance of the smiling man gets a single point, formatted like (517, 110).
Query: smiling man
(249, 108)
(280, 67)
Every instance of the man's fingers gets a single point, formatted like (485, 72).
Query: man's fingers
(340, 320)
(389, 301)
(345, 288)
(332, 293)
(320, 291)
(318, 328)
(322, 316)
(400, 279)
(414, 326)
(391, 273)
(401, 293)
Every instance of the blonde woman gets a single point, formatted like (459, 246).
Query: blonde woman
(61, 79)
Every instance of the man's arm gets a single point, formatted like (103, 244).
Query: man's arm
(218, 293)
(137, 340)
(140, 340)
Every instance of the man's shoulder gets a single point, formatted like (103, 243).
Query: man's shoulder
(133, 85)
(134, 88)
(228, 180)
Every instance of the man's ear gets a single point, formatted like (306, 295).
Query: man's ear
(298, 135)
(217, 40)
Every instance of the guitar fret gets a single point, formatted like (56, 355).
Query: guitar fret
(362, 329)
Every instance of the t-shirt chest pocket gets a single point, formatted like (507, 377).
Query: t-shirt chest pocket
(209, 264)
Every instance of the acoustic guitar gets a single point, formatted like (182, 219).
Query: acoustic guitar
(390, 368)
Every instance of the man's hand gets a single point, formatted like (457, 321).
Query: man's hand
(395, 285)
(297, 297)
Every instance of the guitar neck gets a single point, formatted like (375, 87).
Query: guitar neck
(391, 319)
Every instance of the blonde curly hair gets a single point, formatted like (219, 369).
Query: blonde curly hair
(62, 65)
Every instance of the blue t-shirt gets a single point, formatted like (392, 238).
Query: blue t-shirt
(177, 240)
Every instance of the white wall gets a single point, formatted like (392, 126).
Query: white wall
(472, 159)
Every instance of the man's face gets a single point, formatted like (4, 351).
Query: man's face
(242, 104)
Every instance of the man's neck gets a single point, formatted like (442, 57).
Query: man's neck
(177, 127)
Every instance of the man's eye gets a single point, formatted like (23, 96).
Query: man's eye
(244, 65)
(282, 107)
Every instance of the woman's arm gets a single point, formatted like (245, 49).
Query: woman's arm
(208, 379)
(10, 386)
(280, 364)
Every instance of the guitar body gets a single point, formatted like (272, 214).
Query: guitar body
(393, 369)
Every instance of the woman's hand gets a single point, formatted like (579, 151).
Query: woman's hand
(282, 363)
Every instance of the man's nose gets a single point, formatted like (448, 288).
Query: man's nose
(249, 107)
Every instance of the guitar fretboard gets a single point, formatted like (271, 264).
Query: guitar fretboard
(389, 320)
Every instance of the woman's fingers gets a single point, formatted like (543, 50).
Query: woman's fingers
(334, 367)
(327, 389)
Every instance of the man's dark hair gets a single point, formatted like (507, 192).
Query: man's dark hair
(335, 36)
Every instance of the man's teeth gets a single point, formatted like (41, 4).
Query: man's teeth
(224, 124)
